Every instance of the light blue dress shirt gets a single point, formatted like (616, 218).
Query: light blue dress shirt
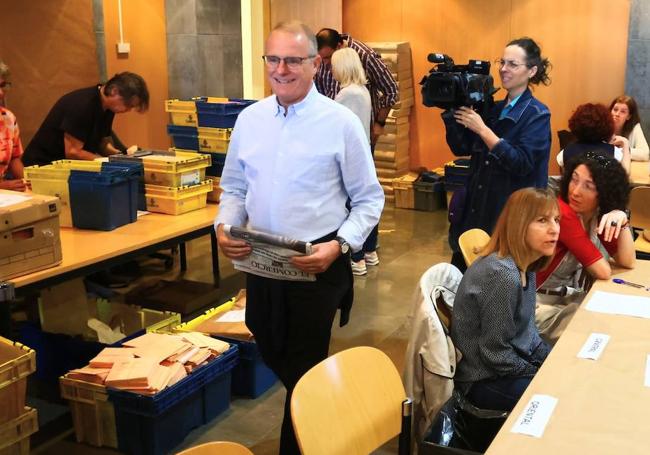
(292, 175)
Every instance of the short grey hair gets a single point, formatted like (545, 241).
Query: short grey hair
(299, 28)
(4, 70)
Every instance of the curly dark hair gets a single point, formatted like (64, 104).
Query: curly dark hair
(534, 58)
(591, 123)
(612, 182)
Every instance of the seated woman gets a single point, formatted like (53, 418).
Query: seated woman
(627, 123)
(11, 149)
(593, 127)
(493, 322)
(594, 227)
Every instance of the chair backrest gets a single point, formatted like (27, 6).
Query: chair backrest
(565, 138)
(640, 207)
(471, 242)
(217, 448)
(350, 403)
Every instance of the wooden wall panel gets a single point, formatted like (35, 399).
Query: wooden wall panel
(586, 40)
(144, 28)
(50, 49)
(315, 13)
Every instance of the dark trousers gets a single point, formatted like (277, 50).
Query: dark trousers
(369, 245)
(292, 323)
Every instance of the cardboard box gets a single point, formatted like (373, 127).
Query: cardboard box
(29, 233)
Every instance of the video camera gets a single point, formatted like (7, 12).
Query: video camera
(450, 86)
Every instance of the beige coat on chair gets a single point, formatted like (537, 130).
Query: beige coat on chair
(430, 355)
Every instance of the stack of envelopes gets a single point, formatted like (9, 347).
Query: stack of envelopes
(151, 362)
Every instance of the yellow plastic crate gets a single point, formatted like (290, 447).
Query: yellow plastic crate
(93, 415)
(52, 180)
(177, 200)
(183, 113)
(190, 326)
(215, 140)
(14, 435)
(17, 361)
(181, 169)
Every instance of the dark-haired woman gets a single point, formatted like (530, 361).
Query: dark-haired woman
(509, 149)
(627, 122)
(594, 227)
(593, 127)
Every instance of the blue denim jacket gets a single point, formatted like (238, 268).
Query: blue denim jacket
(519, 160)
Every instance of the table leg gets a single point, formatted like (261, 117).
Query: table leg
(215, 258)
(183, 254)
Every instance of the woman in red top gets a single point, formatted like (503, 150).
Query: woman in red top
(594, 228)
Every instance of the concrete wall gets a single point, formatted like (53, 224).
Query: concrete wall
(637, 76)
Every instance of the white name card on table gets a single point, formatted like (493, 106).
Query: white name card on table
(594, 346)
(646, 382)
(627, 305)
(233, 316)
(535, 416)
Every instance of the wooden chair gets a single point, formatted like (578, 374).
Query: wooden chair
(640, 217)
(471, 242)
(351, 403)
(217, 448)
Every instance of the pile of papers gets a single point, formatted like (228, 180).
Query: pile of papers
(151, 362)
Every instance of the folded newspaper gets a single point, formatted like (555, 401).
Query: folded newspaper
(271, 254)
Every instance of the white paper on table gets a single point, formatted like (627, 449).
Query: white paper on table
(535, 416)
(627, 305)
(142, 213)
(233, 316)
(11, 199)
(594, 346)
(646, 382)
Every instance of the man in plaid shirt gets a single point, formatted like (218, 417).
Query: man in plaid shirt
(381, 85)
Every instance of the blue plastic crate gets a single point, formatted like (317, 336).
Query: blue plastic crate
(218, 161)
(220, 115)
(135, 170)
(155, 424)
(251, 377)
(184, 137)
(56, 354)
(102, 200)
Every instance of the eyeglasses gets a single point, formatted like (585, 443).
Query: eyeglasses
(4, 85)
(509, 64)
(273, 61)
(602, 160)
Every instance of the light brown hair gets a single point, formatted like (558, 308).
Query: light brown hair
(509, 236)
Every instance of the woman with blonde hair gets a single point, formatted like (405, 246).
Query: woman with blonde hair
(348, 71)
(493, 321)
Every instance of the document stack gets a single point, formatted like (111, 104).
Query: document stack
(392, 149)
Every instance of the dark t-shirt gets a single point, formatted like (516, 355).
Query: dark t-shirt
(78, 113)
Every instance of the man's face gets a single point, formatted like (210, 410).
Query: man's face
(290, 84)
(115, 103)
(325, 53)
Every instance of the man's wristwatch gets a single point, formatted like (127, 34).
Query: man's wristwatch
(345, 246)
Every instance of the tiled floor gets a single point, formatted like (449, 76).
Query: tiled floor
(410, 242)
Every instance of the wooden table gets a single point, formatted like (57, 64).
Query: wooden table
(86, 251)
(603, 406)
(640, 173)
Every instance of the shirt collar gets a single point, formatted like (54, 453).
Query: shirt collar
(516, 107)
(299, 107)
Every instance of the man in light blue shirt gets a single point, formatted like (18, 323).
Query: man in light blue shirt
(294, 160)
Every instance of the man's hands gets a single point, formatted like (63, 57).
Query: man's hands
(323, 254)
(376, 131)
(232, 248)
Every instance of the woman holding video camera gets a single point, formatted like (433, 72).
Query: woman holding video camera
(509, 148)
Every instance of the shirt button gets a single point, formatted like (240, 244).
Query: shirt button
(480, 187)
(473, 210)
(487, 162)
